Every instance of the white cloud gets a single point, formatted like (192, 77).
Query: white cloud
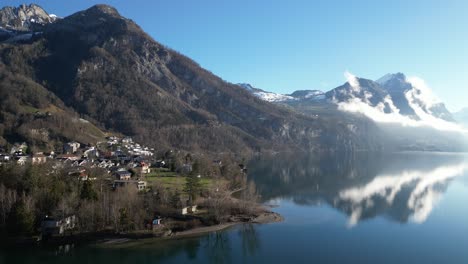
(353, 81)
(422, 92)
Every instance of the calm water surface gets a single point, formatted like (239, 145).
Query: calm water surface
(398, 208)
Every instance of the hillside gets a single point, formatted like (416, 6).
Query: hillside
(104, 68)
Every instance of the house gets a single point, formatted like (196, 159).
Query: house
(91, 152)
(4, 157)
(144, 168)
(71, 147)
(189, 209)
(104, 163)
(81, 174)
(21, 160)
(70, 157)
(19, 148)
(157, 221)
(80, 162)
(123, 175)
(127, 140)
(140, 185)
(156, 224)
(38, 158)
(160, 164)
(57, 226)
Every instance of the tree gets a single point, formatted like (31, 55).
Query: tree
(21, 219)
(88, 192)
(192, 185)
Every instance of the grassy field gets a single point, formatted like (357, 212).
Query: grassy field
(171, 180)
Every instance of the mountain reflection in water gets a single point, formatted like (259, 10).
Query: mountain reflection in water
(402, 186)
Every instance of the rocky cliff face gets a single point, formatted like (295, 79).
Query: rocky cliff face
(24, 18)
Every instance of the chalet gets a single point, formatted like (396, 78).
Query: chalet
(38, 158)
(123, 175)
(57, 226)
(140, 185)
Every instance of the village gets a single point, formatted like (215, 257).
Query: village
(136, 171)
(122, 158)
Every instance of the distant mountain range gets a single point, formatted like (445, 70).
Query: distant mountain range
(392, 93)
(408, 116)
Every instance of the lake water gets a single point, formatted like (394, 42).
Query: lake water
(362, 208)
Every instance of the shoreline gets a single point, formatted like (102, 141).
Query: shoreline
(263, 218)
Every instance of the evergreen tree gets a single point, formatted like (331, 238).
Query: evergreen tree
(20, 220)
(193, 183)
(88, 192)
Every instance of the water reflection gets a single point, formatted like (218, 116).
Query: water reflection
(218, 247)
(402, 187)
(250, 240)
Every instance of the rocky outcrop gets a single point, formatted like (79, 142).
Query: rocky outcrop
(24, 18)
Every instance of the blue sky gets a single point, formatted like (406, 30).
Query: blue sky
(283, 46)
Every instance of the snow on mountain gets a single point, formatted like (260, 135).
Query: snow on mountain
(308, 94)
(24, 18)
(264, 95)
(276, 97)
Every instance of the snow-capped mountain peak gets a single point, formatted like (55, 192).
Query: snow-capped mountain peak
(400, 77)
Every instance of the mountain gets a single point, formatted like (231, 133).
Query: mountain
(407, 96)
(264, 95)
(308, 95)
(20, 23)
(367, 91)
(103, 68)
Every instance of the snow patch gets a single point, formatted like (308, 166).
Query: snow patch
(273, 97)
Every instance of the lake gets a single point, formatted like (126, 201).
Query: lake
(360, 208)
